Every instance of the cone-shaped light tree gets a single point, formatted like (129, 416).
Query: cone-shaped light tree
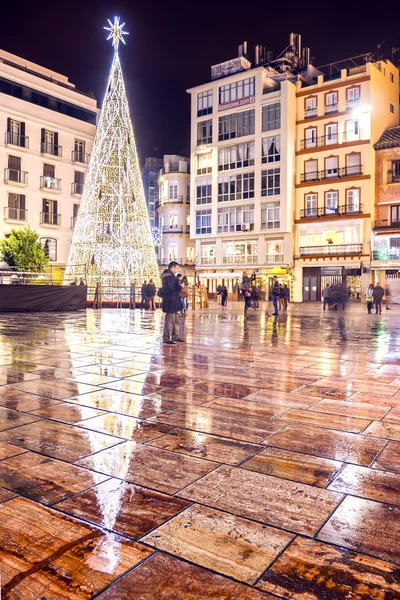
(112, 241)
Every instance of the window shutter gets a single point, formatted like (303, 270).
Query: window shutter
(8, 124)
(23, 129)
(56, 143)
(44, 205)
(22, 201)
(55, 203)
(43, 135)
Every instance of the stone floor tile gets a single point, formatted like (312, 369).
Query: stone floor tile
(310, 570)
(282, 399)
(133, 387)
(292, 506)
(26, 402)
(53, 388)
(384, 429)
(220, 389)
(6, 495)
(393, 416)
(326, 391)
(225, 543)
(165, 578)
(123, 508)
(368, 483)
(351, 409)
(157, 469)
(182, 396)
(375, 399)
(69, 413)
(47, 555)
(246, 407)
(303, 468)
(8, 450)
(202, 445)
(128, 428)
(389, 458)
(338, 422)
(58, 440)
(363, 525)
(220, 422)
(327, 443)
(12, 418)
(44, 479)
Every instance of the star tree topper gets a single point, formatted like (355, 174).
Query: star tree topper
(116, 33)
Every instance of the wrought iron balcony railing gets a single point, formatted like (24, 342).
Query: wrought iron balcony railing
(50, 219)
(16, 139)
(80, 157)
(15, 214)
(331, 249)
(50, 183)
(49, 148)
(15, 176)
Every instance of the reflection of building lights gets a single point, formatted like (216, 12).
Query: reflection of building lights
(361, 110)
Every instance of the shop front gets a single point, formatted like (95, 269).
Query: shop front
(315, 279)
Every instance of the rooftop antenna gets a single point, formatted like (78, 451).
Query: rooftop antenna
(378, 49)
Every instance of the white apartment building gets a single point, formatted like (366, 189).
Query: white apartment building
(242, 174)
(47, 129)
(173, 208)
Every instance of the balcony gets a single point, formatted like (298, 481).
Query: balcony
(164, 262)
(175, 167)
(16, 139)
(323, 141)
(14, 176)
(310, 112)
(314, 212)
(240, 259)
(76, 189)
(208, 260)
(73, 222)
(177, 200)
(335, 173)
(352, 104)
(331, 108)
(393, 177)
(274, 258)
(386, 224)
(80, 157)
(50, 219)
(177, 229)
(331, 250)
(15, 214)
(50, 183)
(53, 149)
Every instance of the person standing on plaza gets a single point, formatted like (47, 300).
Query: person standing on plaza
(143, 291)
(377, 296)
(171, 303)
(224, 295)
(254, 296)
(369, 299)
(275, 295)
(286, 296)
(184, 293)
(281, 297)
(326, 295)
(150, 294)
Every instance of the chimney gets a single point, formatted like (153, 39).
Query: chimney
(243, 50)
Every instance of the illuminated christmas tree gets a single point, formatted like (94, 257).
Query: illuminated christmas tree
(112, 241)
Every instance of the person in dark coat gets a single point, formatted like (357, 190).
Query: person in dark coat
(149, 294)
(275, 295)
(377, 295)
(143, 294)
(171, 304)
(286, 296)
(224, 295)
(254, 297)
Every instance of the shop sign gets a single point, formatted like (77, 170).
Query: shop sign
(237, 103)
(386, 253)
(327, 271)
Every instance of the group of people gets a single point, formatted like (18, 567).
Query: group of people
(149, 292)
(334, 296)
(374, 296)
(222, 291)
(280, 295)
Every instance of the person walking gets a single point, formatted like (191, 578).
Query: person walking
(150, 294)
(377, 296)
(184, 293)
(275, 295)
(326, 295)
(286, 296)
(281, 297)
(224, 295)
(369, 299)
(247, 300)
(171, 303)
(254, 297)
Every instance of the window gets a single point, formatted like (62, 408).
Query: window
(49, 177)
(236, 91)
(353, 164)
(311, 205)
(14, 172)
(204, 132)
(208, 254)
(204, 103)
(271, 149)
(237, 218)
(16, 207)
(271, 116)
(77, 186)
(79, 151)
(353, 96)
(353, 200)
(50, 247)
(331, 102)
(391, 108)
(271, 182)
(310, 141)
(236, 187)
(394, 175)
(172, 221)
(310, 107)
(310, 170)
(204, 163)
(75, 210)
(331, 134)
(240, 252)
(352, 130)
(16, 133)
(270, 215)
(203, 222)
(331, 202)
(234, 157)
(331, 167)
(49, 143)
(391, 77)
(395, 215)
(49, 214)
(203, 191)
(172, 190)
(274, 251)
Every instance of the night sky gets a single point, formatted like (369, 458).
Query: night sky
(172, 45)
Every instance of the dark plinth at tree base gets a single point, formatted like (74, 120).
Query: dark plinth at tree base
(42, 298)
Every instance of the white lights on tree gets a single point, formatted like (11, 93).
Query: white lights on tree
(113, 242)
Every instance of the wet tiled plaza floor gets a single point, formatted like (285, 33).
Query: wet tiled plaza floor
(259, 460)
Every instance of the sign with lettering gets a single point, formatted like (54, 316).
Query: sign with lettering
(230, 67)
(237, 103)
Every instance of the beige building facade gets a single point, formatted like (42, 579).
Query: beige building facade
(47, 129)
